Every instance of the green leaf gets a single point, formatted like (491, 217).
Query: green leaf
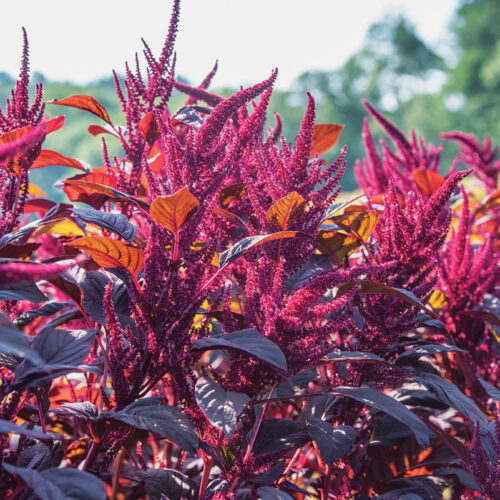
(220, 407)
(249, 341)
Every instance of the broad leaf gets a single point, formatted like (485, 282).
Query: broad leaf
(96, 193)
(175, 210)
(21, 291)
(116, 223)
(57, 212)
(425, 350)
(359, 224)
(85, 102)
(84, 410)
(333, 443)
(168, 483)
(220, 407)
(55, 124)
(88, 188)
(325, 136)
(48, 157)
(13, 341)
(63, 347)
(94, 287)
(269, 493)
(278, 433)
(492, 391)
(317, 264)
(352, 356)
(47, 309)
(111, 253)
(427, 181)
(167, 421)
(149, 128)
(61, 484)
(338, 245)
(367, 286)
(8, 427)
(389, 405)
(249, 341)
(451, 395)
(286, 211)
(250, 242)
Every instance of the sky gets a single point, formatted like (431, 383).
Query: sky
(82, 41)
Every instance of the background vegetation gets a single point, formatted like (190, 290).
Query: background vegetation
(435, 89)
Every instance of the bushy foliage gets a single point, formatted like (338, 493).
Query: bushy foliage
(204, 320)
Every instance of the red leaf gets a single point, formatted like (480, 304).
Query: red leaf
(149, 128)
(48, 157)
(427, 181)
(85, 102)
(325, 136)
(97, 129)
(80, 188)
(54, 124)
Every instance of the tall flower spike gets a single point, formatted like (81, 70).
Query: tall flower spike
(210, 130)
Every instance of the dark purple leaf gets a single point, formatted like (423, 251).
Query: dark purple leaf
(116, 223)
(391, 406)
(13, 341)
(268, 493)
(168, 483)
(61, 484)
(220, 407)
(167, 421)
(249, 341)
(425, 350)
(333, 443)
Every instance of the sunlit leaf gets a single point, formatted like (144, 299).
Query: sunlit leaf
(96, 194)
(286, 210)
(48, 157)
(336, 244)
(96, 130)
(63, 227)
(427, 181)
(34, 190)
(175, 210)
(359, 224)
(85, 102)
(82, 188)
(325, 136)
(232, 193)
(111, 253)
(149, 128)
(54, 124)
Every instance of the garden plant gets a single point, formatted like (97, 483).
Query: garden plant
(205, 317)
